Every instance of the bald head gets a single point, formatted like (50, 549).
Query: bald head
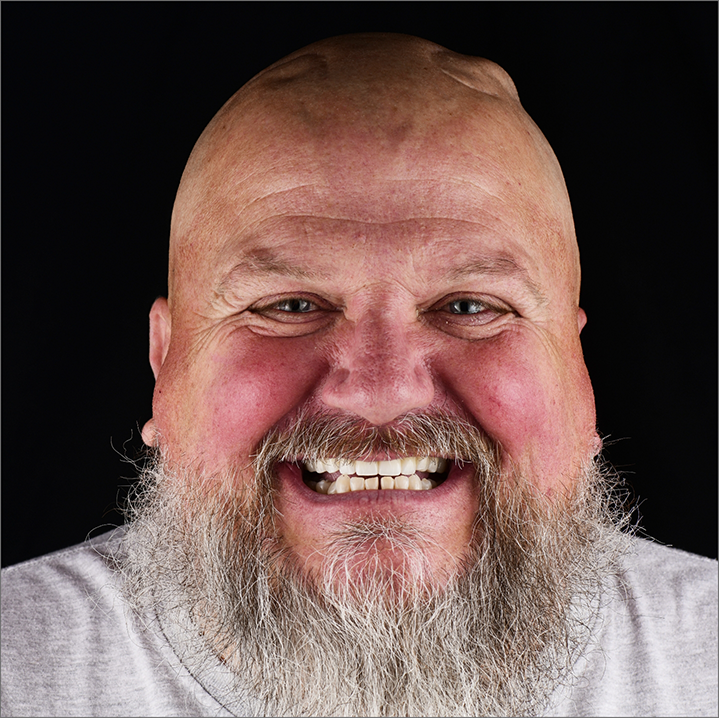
(372, 107)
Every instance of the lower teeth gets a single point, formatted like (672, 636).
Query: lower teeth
(345, 484)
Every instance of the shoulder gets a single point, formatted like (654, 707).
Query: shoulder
(66, 588)
(75, 560)
(50, 602)
(670, 586)
(60, 582)
(656, 650)
(648, 554)
(71, 647)
(63, 620)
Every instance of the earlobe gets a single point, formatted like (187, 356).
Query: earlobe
(149, 433)
(581, 319)
(160, 329)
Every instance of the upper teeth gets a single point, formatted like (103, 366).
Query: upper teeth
(392, 474)
(394, 467)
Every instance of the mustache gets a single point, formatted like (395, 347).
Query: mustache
(311, 435)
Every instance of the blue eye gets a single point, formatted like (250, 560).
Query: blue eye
(295, 306)
(466, 306)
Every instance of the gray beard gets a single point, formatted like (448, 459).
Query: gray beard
(376, 631)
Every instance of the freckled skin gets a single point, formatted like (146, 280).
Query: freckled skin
(388, 177)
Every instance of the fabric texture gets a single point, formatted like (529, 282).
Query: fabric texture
(69, 647)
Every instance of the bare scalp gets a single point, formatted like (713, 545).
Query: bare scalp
(392, 101)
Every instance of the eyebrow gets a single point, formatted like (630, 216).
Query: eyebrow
(263, 262)
(488, 265)
(501, 266)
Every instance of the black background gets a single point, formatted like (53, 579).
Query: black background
(102, 104)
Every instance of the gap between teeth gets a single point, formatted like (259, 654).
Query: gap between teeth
(344, 484)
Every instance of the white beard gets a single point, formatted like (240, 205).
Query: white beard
(495, 639)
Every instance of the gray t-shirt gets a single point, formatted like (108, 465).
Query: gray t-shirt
(68, 648)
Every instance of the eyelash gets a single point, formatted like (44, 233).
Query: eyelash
(485, 314)
(272, 310)
(308, 310)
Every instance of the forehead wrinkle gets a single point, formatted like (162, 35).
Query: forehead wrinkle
(314, 188)
(268, 260)
(307, 224)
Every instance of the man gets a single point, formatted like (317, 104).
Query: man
(374, 484)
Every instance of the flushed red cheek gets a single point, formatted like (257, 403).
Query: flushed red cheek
(517, 396)
(242, 393)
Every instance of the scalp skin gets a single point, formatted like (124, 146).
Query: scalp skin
(401, 95)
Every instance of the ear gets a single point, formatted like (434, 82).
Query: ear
(160, 329)
(160, 325)
(581, 319)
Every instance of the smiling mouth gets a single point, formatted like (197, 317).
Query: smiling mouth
(412, 473)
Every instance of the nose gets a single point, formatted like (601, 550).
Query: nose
(378, 373)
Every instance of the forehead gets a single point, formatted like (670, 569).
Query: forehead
(371, 150)
(340, 256)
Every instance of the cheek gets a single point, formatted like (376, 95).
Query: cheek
(242, 390)
(521, 396)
